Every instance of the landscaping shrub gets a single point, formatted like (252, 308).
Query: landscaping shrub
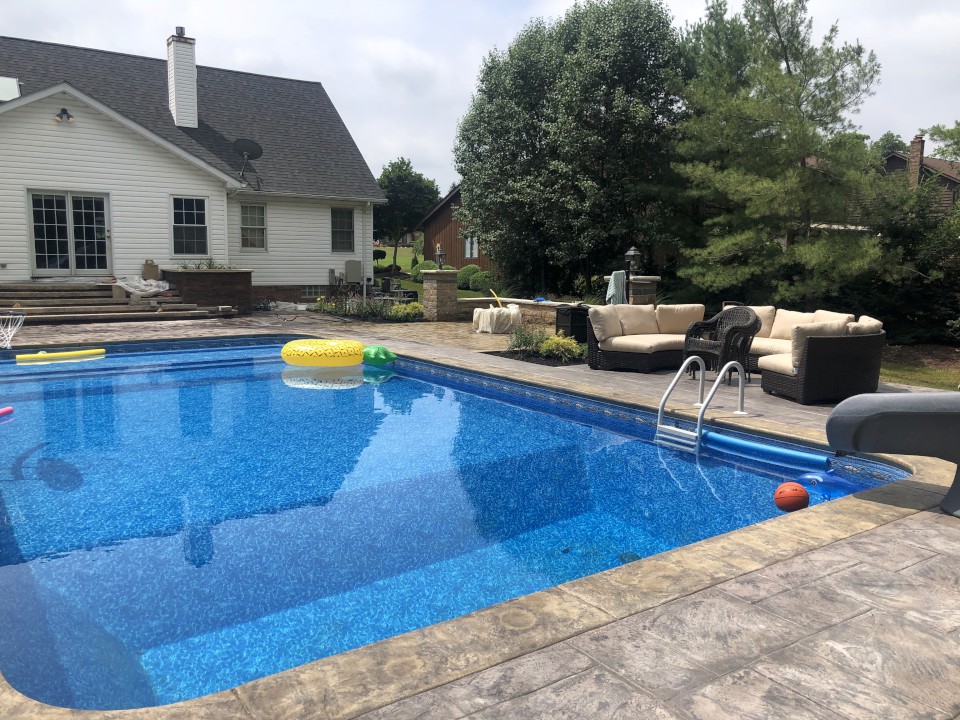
(416, 273)
(386, 269)
(464, 275)
(354, 307)
(406, 312)
(482, 281)
(526, 340)
(379, 255)
(562, 348)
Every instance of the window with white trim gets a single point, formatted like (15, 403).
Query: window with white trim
(471, 248)
(253, 227)
(341, 229)
(189, 226)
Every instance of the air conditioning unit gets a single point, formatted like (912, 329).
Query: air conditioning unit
(353, 271)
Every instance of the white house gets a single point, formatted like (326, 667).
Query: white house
(108, 160)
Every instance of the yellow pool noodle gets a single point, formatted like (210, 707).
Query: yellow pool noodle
(45, 357)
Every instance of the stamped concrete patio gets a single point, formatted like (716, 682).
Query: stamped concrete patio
(846, 610)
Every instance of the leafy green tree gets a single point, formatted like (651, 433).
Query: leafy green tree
(770, 153)
(565, 145)
(950, 139)
(887, 143)
(410, 196)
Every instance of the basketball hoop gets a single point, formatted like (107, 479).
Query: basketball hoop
(10, 322)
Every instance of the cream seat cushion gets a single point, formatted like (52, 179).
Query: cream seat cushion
(643, 343)
(865, 326)
(766, 313)
(674, 319)
(769, 346)
(802, 332)
(637, 319)
(780, 363)
(785, 320)
(605, 321)
(821, 316)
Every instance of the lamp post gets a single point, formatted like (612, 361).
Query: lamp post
(631, 263)
(441, 256)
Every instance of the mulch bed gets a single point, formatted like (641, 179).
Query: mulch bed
(536, 359)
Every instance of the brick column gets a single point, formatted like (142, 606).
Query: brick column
(440, 295)
(915, 161)
(643, 289)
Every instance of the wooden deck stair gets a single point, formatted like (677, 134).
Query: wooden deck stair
(77, 302)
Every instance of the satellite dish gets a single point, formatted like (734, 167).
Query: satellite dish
(248, 150)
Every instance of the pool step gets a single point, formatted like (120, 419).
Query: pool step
(677, 438)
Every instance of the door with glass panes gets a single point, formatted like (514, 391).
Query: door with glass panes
(71, 234)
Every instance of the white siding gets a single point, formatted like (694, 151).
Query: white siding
(95, 154)
(298, 240)
(182, 80)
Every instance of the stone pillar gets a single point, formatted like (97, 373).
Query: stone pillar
(643, 289)
(440, 295)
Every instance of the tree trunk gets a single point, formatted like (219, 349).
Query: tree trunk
(393, 266)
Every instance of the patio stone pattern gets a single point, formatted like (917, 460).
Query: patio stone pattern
(845, 610)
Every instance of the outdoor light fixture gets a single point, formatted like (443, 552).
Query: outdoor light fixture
(441, 256)
(64, 114)
(631, 263)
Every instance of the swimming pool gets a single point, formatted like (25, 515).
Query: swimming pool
(180, 522)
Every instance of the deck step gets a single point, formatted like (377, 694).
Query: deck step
(97, 309)
(8, 304)
(199, 313)
(51, 286)
(48, 295)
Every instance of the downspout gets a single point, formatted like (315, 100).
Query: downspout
(363, 258)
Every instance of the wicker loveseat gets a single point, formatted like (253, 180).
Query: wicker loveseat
(828, 361)
(638, 337)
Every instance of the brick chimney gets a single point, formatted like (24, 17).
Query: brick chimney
(182, 79)
(915, 161)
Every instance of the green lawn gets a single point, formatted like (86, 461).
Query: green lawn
(910, 374)
(404, 256)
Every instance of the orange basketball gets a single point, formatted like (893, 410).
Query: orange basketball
(791, 496)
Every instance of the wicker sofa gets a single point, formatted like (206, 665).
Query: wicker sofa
(827, 361)
(638, 337)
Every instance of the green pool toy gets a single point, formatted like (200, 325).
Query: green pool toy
(377, 355)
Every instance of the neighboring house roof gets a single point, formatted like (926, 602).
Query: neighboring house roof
(307, 150)
(439, 206)
(947, 168)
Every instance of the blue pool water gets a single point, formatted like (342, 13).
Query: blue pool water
(179, 522)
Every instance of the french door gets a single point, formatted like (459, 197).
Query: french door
(71, 234)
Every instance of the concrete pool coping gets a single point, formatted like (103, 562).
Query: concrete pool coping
(402, 667)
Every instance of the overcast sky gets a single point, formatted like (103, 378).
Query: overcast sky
(401, 72)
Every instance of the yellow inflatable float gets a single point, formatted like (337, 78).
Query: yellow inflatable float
(44, 357)
(323, 353)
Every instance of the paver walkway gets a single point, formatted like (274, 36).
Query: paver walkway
(846, 610)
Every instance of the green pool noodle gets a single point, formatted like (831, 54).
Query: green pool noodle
(377, 355)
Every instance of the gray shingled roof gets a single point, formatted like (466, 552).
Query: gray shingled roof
(306, 147)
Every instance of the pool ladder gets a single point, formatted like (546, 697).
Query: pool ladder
(678, 438)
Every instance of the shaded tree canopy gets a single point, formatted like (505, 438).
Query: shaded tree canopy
(770, 152)
(410, 196)
(887, 143)
(949, 139)
(565, 144)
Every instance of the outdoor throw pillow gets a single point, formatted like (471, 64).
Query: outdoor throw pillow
(605, 321)
(802, 332)
(766, 313)
(674, 319)
(784, 322)
(865, 326)
(638, 319)
(821, 316)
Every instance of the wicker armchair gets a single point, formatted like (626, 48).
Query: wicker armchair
(599, 359)
(724, 337)
(831, 369)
